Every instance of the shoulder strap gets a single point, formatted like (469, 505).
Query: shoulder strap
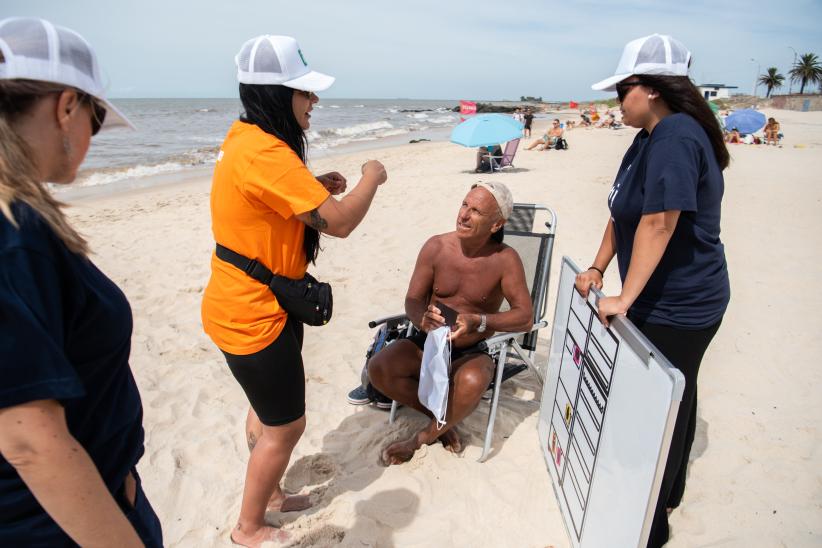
(250, 266)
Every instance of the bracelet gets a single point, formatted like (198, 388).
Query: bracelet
(601, 273)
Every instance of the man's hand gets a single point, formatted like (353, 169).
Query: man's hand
(432, 319)
(466, 324)
(333, 182)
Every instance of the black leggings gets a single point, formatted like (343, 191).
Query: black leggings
(684, 349)
(273, 379)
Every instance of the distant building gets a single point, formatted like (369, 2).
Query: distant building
(715, 91)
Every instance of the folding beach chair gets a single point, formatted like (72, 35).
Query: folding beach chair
(534, 248)
(507, 158)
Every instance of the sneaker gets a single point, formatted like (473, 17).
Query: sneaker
(386, 405)
(359, 396)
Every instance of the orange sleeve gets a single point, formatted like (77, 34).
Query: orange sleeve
(279, 179)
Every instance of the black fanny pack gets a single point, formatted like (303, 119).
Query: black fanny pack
(306, 300)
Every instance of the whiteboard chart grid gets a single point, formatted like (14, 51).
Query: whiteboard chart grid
(608, 408)
(586, 369)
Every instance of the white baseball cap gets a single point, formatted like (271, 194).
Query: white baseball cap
(657, 54)
(34, 49)
(501, 194)
(270, 59)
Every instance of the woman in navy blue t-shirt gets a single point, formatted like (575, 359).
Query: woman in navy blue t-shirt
(71, 428)
(664, 230)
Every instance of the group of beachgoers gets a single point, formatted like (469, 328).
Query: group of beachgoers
(71, 422)
(771, 135)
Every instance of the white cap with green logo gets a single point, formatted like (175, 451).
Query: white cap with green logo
(270, 59)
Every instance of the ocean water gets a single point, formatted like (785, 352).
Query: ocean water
(177, 134)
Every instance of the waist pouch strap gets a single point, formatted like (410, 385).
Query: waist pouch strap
(306, 300)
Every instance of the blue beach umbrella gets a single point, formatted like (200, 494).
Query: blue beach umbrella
(485, 130)
(746, 120)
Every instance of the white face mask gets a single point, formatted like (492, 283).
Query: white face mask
(434, 373)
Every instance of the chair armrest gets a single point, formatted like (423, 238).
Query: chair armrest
(494, 157)
(396, 317)
(502, 337)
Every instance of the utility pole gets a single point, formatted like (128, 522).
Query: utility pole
(756, 79)
(790, 80)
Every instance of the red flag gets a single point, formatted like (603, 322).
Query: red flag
(468, 107)
(573, 104)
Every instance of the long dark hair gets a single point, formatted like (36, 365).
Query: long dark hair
(681, 95)
(269, 108)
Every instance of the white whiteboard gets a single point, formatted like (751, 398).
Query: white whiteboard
(607, 413)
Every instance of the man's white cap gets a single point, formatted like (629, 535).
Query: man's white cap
(656, 54)
(501, 194)
(34, 49)
(278, 60)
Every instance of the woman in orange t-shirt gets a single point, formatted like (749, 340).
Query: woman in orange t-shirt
(266, 205)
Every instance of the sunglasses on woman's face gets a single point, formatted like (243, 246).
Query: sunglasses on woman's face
(307, 94)
(98, 113)
(623, 88)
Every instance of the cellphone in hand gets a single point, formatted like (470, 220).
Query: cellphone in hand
(448, 313)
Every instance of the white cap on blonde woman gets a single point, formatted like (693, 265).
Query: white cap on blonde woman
(34, 49)
(656, 54)
(501, 194)
(269, 59)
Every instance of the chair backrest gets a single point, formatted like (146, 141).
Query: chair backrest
(509, 153)
(534, 248)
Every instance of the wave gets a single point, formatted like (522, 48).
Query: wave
(355, 130)
(448, 119)
(418, 115)
(177, 162)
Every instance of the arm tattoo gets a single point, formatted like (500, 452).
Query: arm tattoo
(317, 222)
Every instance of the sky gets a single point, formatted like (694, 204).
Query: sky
(447, 49)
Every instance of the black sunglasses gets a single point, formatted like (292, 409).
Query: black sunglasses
(98, 113)
(623, 88)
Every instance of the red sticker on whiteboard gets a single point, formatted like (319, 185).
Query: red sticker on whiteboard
(559, 456)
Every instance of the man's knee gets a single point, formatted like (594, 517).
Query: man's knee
(378, 370)
(401, 359)
(474, 377)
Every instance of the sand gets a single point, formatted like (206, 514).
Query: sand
(755, 474)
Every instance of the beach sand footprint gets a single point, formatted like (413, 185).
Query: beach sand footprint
(308, 471)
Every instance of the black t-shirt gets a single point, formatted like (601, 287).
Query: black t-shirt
(674, 169)
(528, 119)
(65, 335)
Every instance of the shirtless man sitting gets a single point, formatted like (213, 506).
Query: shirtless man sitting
(471, 271)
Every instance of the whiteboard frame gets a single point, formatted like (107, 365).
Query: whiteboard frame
(646, 351)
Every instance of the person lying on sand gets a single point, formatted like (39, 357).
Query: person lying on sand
(469, 270)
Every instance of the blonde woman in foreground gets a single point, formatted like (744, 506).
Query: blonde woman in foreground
(71, 428)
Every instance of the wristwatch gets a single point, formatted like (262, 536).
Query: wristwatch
(481, 328)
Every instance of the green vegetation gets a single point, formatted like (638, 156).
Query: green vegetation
(772, 79)
(806, 70)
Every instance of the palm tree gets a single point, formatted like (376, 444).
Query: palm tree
(806, 70)
(771, 80)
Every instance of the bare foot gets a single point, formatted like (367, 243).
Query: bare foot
(451, 441)
(257, 538)
(400, 452)
(291, 503)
